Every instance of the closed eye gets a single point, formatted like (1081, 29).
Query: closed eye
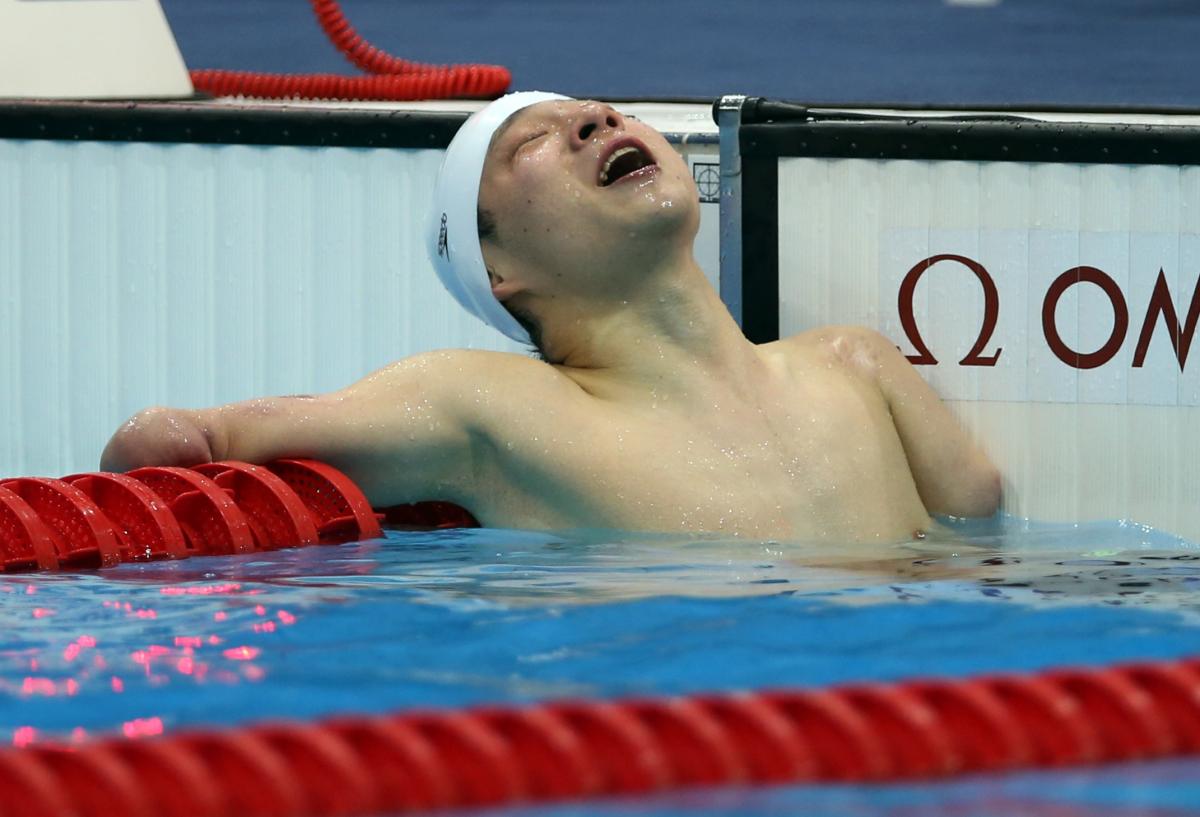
(529, 139)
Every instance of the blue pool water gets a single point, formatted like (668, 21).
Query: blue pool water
(463, 617)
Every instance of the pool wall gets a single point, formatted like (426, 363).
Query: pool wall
(1041, 272)
(196, 256)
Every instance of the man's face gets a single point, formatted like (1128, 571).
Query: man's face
(580, 195)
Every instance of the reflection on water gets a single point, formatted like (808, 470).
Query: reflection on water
(452, 618)
(1098, 563)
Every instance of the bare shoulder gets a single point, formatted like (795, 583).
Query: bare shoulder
(472, 380)
(857, 350)
(455, 365)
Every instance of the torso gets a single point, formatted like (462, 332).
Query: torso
(808, 453)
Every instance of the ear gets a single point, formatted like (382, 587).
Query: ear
(503, 289)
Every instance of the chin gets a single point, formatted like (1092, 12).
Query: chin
(674, 212)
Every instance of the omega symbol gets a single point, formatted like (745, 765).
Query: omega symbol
(991, 313)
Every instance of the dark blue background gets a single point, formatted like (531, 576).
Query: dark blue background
(1094, 52)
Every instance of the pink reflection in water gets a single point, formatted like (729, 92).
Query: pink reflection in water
(206, 590)
(38, 686)
(142, 727)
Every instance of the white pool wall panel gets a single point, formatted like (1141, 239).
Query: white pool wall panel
(138, 274)
(141, 274)
(1117, 441)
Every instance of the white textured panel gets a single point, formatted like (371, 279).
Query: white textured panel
(140, 274)
(89, 305)
(1104, 240)
(708, 240)
(853, 180)
(137, 274)
(11, 410)
(1189, 270)
(1053, 248)
(1113, 440)
(805, 243)
(45, 330)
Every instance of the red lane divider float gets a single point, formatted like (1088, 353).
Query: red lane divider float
(211, 521)
(278, 517)
(101, 519)
(338, 509)
(27, 543)
(144, 525)
(418, 761)
(82, 536)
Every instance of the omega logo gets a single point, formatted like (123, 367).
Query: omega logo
(1160, 306)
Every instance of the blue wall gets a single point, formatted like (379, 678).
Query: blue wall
(1102, 52)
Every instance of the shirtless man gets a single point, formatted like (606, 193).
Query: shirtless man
(649, 409)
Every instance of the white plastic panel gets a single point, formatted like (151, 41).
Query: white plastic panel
(191, 275)
(99, 49)
(1078, 435)
(136, 274)
(704, 161)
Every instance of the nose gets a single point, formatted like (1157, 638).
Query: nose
(593, 120)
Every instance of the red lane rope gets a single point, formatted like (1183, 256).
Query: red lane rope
(101, 519)
(559, 750)
(419, 761)
(390, 78)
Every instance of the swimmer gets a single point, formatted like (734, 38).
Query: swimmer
(569, 225)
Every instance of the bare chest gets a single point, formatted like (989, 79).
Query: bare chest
(782, 467)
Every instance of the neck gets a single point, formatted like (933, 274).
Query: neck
(671, 333)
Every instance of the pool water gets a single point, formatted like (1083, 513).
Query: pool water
(452, 618)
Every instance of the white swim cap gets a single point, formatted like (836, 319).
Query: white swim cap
(454, 228)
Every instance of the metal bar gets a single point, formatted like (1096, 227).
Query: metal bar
(728, 112)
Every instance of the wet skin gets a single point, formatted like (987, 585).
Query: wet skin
(652, 413)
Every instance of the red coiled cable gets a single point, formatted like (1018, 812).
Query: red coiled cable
(419, 761)
(390, 78)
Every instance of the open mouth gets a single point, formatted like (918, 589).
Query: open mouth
(628, 160)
